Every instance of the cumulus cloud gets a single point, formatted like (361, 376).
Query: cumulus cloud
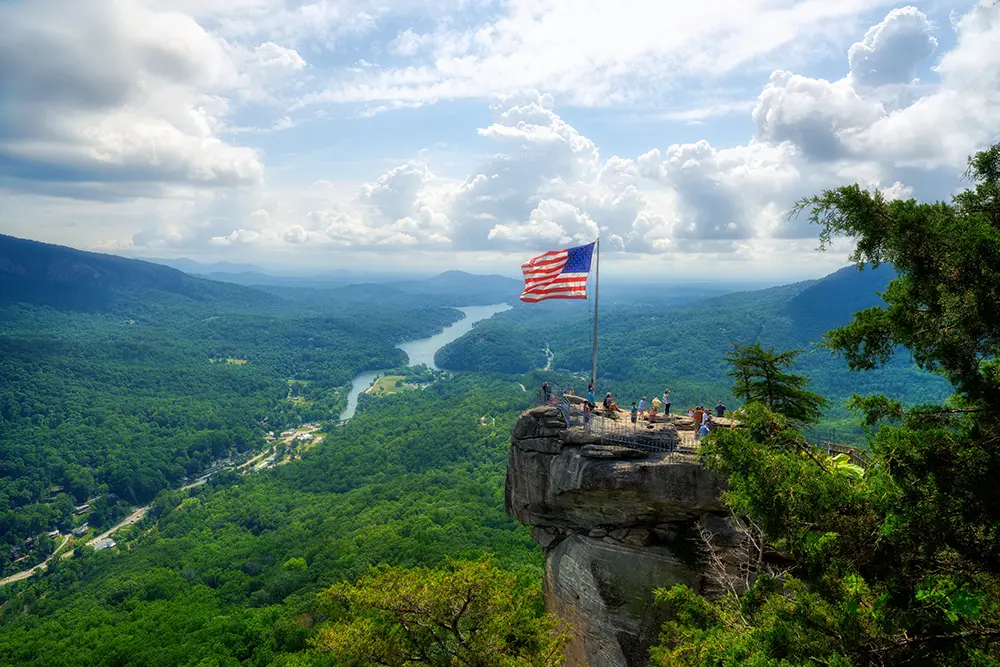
(814, 114)
(891, 50)
(958, 118)
(547, 183)
(151, 107)
(612, 53)
(119, 99)
(394, 193)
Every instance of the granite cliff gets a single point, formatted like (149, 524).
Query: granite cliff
(614, 523)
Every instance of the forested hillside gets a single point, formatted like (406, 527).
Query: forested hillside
(120, 378)
(227, 573)
(644, 349)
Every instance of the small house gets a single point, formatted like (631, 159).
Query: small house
(54, 534)
(80, 531)
(80, 509)
(103, 543)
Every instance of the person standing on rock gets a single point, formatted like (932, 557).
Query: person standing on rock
(635, 413)
(698, 412)
(546, 392)
(586, 414)
(720, 410)
(642, 405)
(666, 402)
(590, 396)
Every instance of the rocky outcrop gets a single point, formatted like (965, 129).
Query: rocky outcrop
(614, 524)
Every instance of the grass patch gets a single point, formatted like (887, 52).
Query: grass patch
(389, 384)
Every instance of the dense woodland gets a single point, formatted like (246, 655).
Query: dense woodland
(122, 392)
(896, 563)
(117, 384)
(227, 573)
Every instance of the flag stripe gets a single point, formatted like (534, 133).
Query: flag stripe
(549, 258)
(531, 299)
(537, 275)
(555, 286)
(557, 263)
(560, 288)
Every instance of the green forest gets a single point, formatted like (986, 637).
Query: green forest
(227, 573)
(120, 404)
(118, 389)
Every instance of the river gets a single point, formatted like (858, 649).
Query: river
(419, 352)
(422, 351)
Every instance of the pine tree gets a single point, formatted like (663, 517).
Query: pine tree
(761, 376)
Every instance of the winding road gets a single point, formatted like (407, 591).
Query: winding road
(41, 566)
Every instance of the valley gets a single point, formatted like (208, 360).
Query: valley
(272, 480)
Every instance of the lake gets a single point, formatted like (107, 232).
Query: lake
(422, 351)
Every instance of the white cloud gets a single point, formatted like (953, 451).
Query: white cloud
(129, 98)
(110, 93)
(408, 43)
(611, 53)
(553, 221)
(942, 128)
(891, 50)
(816, 115)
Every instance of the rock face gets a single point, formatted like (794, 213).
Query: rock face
(614, 524)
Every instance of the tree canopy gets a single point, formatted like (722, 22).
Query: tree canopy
(900, 565)
(470, 613)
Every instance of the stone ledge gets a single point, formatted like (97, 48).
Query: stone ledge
(611, 452)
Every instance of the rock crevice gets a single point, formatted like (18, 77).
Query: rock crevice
(614, 524)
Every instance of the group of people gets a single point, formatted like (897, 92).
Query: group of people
(703, 420)
(652, 409)
(702, 417)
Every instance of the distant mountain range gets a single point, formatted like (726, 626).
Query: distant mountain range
(200, 268)
(61, 277)
(65, 278)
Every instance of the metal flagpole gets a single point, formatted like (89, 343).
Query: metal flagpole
(597, 282)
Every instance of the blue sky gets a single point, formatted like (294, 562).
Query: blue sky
(307, 135)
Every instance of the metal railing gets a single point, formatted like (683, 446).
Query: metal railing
(623, 433)
(620, 432)
(858, 456)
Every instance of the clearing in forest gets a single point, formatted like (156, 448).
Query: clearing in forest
(389, 384)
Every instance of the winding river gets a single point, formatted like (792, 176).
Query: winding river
(422, 351)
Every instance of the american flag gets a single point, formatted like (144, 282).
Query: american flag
(560, 274)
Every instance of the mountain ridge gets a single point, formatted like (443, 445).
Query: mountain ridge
(69, 279)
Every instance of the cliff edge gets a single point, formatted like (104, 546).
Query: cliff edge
(614, 523)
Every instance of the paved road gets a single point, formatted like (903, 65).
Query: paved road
(127, 521)
(41, 566)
